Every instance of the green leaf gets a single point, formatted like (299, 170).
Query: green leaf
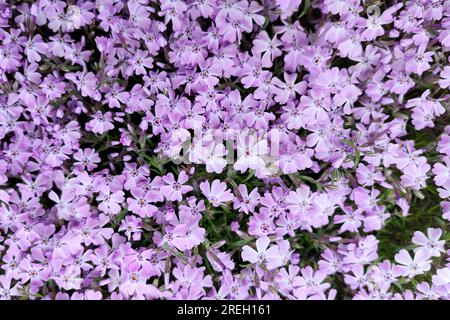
(357, 158)
(121, 216)
(250, 175)
(357, 152)
(176, 253)
(242, 242)
(266, 23)
(305, 8)
(348, 142)
(311, 180)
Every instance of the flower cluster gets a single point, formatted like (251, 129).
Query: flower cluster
(224, 149)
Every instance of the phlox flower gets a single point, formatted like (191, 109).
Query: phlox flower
(100, 123)
(87, 159)
(110, 202)
(7, 291)
(351, 219)
(141, 203)
(413, 266)
(173, 190)
(431, 243)
(386, 272)
(270, 256)
(415, 176)
(269, 47)
(133, 284)
(442, 277)
(444, 82)
(250, 152)
(261, 224)
(245, 201)
(216, 192)
(310, 282)
(418, 62)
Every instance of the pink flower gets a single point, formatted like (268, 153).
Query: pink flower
(174, 189)
(351, 220)
(244, 201)
(100, 122)
(412, 267)
(263, 254)
(431, 243)
(139, 62)
(445, 78)
(442, 277)
(87, 83)
(263, 44)
(216, 193)
(133, 283)
(418, 62)
(110, 202)
(301, 200)
(232, 29)
(415, 176)
(288, 89)
(250, 153)
(310, 282)
(141, 203)
(87, 159)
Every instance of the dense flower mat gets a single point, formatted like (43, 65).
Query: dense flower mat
(224, 149)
